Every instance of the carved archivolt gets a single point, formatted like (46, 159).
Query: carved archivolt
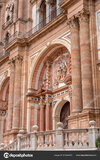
(56, 74)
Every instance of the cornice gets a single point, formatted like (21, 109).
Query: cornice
(67, 3)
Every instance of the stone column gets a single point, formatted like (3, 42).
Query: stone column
(28, 116)
(76, 67)
(47, 115)
(20, 9)
(42, 120)
(17, 92)
(11, 95)
(48, 9)
(36, 106)
(87, 91)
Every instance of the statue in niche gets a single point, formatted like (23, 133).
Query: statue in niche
(9, 10)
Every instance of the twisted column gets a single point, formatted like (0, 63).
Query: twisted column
(17, 92)
(76, 67)
(87, 90)
(11, 95)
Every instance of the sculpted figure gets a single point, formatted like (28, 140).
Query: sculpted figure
(9, 10)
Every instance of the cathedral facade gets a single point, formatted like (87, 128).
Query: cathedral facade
(49, 65)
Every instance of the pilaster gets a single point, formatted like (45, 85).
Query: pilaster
(76, 66)
(87, 89)
(11, 95)
(17, 92)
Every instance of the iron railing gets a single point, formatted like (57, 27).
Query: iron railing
(34, 30)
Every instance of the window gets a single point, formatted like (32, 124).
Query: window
(98, 33)
(43, 13)
(53, 9)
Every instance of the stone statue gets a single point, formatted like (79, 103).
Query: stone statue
(9, 10)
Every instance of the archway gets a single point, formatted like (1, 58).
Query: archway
(65, 112)
(58, 111)
(52, 75)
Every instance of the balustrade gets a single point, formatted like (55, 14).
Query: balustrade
(75, 139)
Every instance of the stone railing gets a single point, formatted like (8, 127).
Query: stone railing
(60, 139)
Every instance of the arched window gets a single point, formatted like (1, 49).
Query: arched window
(43, 13)
(65, 112)
(53, 9)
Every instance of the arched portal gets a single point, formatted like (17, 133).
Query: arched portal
(50, 83)
(65, 112)
(61, 112)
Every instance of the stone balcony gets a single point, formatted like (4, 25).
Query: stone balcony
(43, 26)
(59, 139)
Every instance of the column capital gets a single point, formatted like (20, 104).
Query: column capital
(73, 22)
(83, 16)
(48, 103)
(18, 59)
